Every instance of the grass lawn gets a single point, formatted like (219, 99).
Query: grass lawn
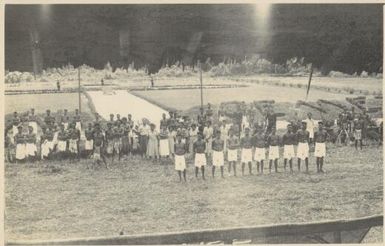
(185, 99)
(67, 200)
(42, 102)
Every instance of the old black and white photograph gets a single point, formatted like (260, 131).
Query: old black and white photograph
(193, 123)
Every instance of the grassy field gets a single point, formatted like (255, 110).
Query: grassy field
(367, 84)
(67, 200)
(185, 99)
(41, 102)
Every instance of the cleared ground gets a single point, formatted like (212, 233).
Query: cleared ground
(369, 84)
(42, 102)
(185, 99)
(67, 200)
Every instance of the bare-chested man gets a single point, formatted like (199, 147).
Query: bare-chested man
(218, 158)
(232, 152)
(273, 141)
(180, 162)
(320, 147)
(303, 147)
(288, 141)
(260, 151)
(199, 149)
(247, 151)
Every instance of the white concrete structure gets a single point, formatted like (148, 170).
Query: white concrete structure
(123, 103)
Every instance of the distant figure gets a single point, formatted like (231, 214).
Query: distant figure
(152, 81)
(102, 82)
(58, 85)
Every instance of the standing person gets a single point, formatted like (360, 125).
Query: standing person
(118, 117)
(209, 113)
(247, 149)
(224, 134)
(98, 140)
(32, 121)
(64, 119)
(232, 152)
(357, 132)
(171, 138)
(47, 143)
(310, 126)
(48, 119)
(109, 143)
(163, 121)
(58, 85)
(112, 121)
(74, 136)
(288, 147)
(144, 131)
(130, 122)
(89, 145)
(62, 138)
(180, 162)
(31, 149)
(78, 121)
(126, 137)
(199, 148)
(365, 125)
(164, 149)
(118, 133)
(260, 151)
(303, 147)
(20, 141)
(135, 147)
(153, 143)
(15, 124)
(320, 147)
(201, 118)
(351, 117)
(208, 133)
(273, 141)
(218, 159)
(193, 136)
(271, 120)
(245, 121)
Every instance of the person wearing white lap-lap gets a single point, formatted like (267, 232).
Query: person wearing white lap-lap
(260, 151)
(62, 142)
(232, 152)
(218, 158)
(179, 158)
(320, 147)
(20, 142)
(273, 142)
(31, 149)
(247, 151)
(199, 149)
(288, 140)
(303, 147)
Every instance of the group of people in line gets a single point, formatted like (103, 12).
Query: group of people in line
(177, 137)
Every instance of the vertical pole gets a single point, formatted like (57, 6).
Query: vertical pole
(80, 107)
(201, 81)
(308, 85)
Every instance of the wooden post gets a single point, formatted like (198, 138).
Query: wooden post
(201, 81)
(309, 83)
(80, 107)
